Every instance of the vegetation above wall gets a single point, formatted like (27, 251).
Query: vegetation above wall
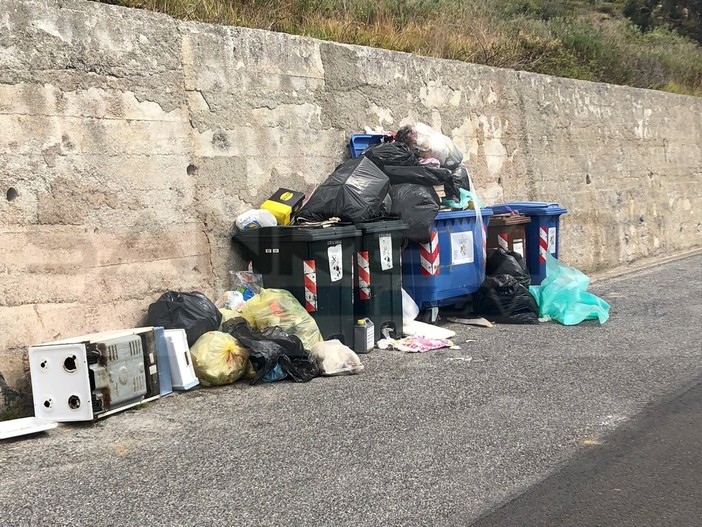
(643, 43)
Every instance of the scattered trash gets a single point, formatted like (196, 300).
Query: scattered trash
(417, 206)
(218, 359)
(461, 359)
(180, 361)
(410, 310)
(414, 344)
(193, 312)
(272, 347)
(354, 192)
(278, 307)
(422, 329)
(363, 336)
(336, 359)
(504, 295)
(477, 321)
(255, 218)
(25, 426)
(283, 205)
(563, 295)
(430, 143)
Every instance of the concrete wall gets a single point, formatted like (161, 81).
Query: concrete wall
(132, 140)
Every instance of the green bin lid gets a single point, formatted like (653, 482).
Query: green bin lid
(298, 233)
(373, 227)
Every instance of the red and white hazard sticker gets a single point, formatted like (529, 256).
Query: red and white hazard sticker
(429, 255)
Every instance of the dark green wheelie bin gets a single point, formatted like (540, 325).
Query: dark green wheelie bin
(314, 264)
(378, 280)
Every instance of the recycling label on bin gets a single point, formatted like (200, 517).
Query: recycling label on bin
(385, 242)
(552, 240)
(336, 266)
(462, 248)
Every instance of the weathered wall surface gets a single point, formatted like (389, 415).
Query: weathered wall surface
(130, 141)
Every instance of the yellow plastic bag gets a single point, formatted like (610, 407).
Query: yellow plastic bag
(218, 359)
(278, 307)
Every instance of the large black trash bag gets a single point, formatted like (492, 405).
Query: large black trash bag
(500, 262)
(193, 312)
(423, 175)
(502, 298)
(392, 154)
(354, 192)
(460, 177)
(504, 294)
(271, 347)
(417, 206)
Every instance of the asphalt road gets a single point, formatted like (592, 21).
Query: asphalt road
(442, 438)
(649, 473)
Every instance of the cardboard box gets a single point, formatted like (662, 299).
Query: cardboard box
(284, 204)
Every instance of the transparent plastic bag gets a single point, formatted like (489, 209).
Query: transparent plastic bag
(255, 218)
(336, 359)
(246, 283)
(432, 143)
(218, 359)
(563, 295)
(278, 307)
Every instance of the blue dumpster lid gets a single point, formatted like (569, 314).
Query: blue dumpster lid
(529, 208)
(447, 215)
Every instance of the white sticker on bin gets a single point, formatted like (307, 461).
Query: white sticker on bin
(518, 247)
(385, 242)
(336, 266)
(462, 248)
(552, 240)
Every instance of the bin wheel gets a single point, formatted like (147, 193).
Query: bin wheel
(431, 315)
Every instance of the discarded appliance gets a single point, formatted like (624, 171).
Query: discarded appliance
(93, 376)
(179, 360)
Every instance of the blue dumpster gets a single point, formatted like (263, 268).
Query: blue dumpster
(542, 234)
(452, 265)
(359, 142)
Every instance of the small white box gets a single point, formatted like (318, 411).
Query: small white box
(181, 363)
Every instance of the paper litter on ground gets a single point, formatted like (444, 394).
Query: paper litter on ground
(420, 329)
(415, 344)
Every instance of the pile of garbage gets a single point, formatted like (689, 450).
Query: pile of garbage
(410, 175)
(264, 335)
(251, 333)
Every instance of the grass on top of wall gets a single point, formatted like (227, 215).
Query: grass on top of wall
(589, 39)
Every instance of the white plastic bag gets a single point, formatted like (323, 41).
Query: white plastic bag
(433, 144)
(255, 218)
(410, 309)
(336, 359)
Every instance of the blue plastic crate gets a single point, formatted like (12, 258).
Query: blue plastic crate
(359, 142)
(542, 233)
(452, 265)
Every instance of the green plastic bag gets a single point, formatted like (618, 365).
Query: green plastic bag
(563, 296)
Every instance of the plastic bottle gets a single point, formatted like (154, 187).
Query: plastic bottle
(363, 336)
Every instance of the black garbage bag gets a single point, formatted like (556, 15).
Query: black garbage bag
(504, 294)
(271, 347)
(501, 298)
(417, 206)
(423, 175)
(460, 178)
(501, 262)
(392, 154)
(354, 192)
(193, 312)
